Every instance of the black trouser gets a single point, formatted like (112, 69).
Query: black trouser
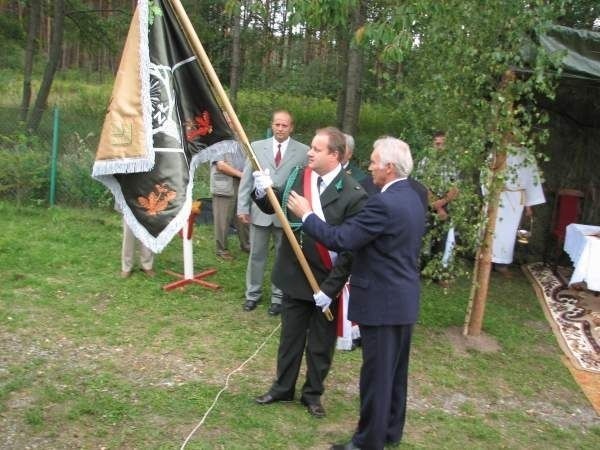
(304, 330)
(383, 385)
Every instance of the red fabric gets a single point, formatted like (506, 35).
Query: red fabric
(323, 252)
(278, 155)
(340, 315)
(191, 221)
(307, 189)
(567, 212)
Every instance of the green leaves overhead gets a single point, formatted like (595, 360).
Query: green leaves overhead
(318, 14)
(453, 55)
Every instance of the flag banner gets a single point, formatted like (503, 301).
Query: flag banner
(162, 122)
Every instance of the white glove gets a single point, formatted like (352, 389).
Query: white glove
(322, 300)
(262, 181)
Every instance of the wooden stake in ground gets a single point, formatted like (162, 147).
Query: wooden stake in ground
(483, 261)
(223, 100)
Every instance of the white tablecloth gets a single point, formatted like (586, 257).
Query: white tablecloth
(584, 251)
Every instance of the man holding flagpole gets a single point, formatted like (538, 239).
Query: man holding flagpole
(334, 196)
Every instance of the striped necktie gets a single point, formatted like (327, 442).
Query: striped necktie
(278, 155)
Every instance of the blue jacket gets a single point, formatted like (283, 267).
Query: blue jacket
(385, 240)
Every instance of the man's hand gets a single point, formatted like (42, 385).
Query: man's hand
(244, 218)
(322, 300)
(262, 182)
(298, 204)
(452, 194)
(439, 204)
(441, 214)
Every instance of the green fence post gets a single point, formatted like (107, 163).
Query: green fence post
(55, 129)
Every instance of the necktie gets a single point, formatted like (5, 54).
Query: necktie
(278, 155)
(320, 186)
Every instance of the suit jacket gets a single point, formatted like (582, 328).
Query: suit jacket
(355, 172)
(342, 198)
(419, 188)
(385, 240)
(294, 156)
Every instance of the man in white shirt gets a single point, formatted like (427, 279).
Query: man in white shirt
(279, 155)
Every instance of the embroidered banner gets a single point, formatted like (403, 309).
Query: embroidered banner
(162, 121)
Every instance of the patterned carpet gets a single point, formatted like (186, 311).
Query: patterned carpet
(574, 316)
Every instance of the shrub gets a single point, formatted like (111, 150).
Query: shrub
(75, 185)
(24, 168)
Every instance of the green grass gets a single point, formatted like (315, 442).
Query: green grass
(89, 360)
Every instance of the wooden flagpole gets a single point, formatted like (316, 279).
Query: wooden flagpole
(237, 126)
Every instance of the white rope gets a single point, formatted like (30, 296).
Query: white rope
(226, 385)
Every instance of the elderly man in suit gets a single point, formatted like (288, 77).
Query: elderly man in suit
(385, 240)
(334, 196)
(279, 155)
(348, 165)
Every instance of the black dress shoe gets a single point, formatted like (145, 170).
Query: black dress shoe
(268, 398)
(315, 409)
(275, 309)
(347, 446)
(249, 305)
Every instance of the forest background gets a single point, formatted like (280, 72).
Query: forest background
(371, 68)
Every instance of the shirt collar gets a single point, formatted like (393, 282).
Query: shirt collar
(387, 185)
(284, 145)
(328, 177)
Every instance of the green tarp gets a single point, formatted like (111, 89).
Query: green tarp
(581, 48)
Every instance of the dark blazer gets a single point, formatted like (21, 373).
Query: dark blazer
(385, 240)
(355, 172)
(419, 188)
(342, 198)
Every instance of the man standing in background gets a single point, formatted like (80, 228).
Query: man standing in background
(349, 167)
(128, 252)
(225, 175)
(438, 172)
(277, 155)
(522, 190)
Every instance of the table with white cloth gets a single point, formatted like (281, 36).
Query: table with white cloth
(582, 244)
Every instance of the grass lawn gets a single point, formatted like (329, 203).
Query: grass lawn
(89, 360)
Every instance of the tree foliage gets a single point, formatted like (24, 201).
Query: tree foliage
(453, 55)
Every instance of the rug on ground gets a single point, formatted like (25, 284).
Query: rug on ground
(574, 316)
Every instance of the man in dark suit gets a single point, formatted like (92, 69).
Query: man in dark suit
(348, 165)
(334, 196)
(385, 240)
(279, 154)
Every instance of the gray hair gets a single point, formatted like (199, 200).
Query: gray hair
(349, 141)
(395, 152)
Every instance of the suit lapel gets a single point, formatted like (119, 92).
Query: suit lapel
(332, 192)
(268, 158)
(289, 160)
